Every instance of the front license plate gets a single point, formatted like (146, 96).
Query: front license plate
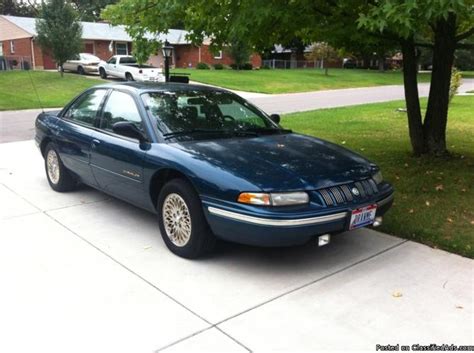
(362, 217)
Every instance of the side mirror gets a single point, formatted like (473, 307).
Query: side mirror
(126, 128)
(275, 118)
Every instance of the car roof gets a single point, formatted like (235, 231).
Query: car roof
(140, 87)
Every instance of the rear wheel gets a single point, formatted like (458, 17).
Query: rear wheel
(183, 225)
(128, 76)
(80, 70)
(102, 73)
(59, 178)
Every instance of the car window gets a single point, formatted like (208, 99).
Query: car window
(120, 106)
(85, 109)
(128, 60)
(112, 61)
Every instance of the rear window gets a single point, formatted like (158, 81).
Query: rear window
(128, 60)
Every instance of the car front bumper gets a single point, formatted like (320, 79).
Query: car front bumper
(285, 230)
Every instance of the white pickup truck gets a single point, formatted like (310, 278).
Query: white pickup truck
(126, 67)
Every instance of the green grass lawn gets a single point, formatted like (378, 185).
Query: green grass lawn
(16, 89)
(434, 197)
(468, 74)
(298, 80)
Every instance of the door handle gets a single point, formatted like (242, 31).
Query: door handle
(95, 143)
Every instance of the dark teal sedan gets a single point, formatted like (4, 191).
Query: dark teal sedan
(210, 165)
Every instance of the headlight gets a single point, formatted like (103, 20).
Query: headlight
(378, 178)
(274, 199)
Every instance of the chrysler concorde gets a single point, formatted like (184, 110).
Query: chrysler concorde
(210, 165)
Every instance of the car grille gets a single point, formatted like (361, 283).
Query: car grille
(342, 194)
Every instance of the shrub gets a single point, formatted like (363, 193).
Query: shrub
(202, 66)
(456, 79)
(246, 66)
(218, 66)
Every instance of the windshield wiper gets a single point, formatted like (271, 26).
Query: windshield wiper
(243, 132)
(263, 130)
(191, 131)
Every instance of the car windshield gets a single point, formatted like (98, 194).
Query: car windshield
(89, 57)
(206, 114)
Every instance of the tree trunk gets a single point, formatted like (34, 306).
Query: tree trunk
(61, 70)
(410, 81)
(381, 59)
(436, 118)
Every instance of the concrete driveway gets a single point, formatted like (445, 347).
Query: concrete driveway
(83, 272)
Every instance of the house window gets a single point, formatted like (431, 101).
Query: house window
(121, 48)
(12, 47)
(218, 55)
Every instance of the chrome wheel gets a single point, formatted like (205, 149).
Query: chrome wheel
(177, 220)
(52, 163)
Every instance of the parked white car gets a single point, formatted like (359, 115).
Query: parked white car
(83, 63)
(126, 67)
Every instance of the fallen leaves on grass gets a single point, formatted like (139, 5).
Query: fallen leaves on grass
(450, 220)
(427, 203)
(411, 210)
(439, 187)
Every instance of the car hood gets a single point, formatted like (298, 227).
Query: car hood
(282, 162)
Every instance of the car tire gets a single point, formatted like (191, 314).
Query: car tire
(129, 77)
(102, 73)
(80, 70)
(183, 225)
(59, 178)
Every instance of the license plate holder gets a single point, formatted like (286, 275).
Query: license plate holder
(362, 217)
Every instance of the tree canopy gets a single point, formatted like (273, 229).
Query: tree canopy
(355, 25)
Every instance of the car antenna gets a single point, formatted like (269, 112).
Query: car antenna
(36, 92)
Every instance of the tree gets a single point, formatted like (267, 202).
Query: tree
(239, 51)
(89, 10)
(143, 48)
(59, 33)
(442, 24)
(22, 9)
(324, 52)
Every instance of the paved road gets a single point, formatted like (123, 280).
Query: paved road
(298, 102)
(82, 272)
(19, 125)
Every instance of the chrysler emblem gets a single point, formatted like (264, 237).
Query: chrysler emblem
(355, 191)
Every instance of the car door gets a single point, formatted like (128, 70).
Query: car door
(111, 66)
(71, 65)
(117, 161)
(74, 133)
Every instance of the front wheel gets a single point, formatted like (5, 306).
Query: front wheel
(80, 70)
(183, 225)
(102, 73)
(59, 178)
(128, 76)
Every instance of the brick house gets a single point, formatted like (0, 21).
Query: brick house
(18, 43)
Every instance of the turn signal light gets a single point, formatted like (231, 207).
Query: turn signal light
(274, 199)
(254, 198)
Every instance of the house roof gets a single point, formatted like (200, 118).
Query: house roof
(101, 31)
